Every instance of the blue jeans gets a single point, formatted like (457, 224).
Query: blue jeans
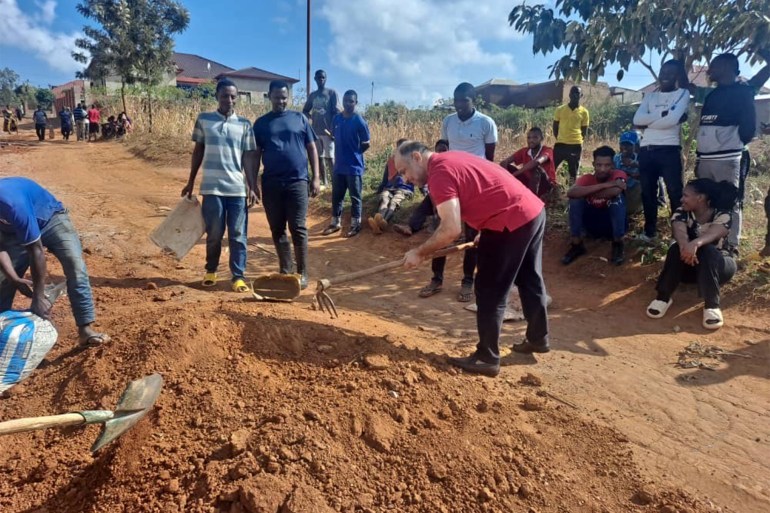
(597, 222)
(218, 212)
(61, 239)
(342, 184)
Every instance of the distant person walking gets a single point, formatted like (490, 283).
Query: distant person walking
(7, 118)
(41, 122)
(570, 126)
(67, 122)
(285, 141)
(321, 107)
(352, 136)
(94, 119)
(224, 148)
(80, 115)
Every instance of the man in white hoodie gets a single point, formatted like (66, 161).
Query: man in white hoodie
(660, 117)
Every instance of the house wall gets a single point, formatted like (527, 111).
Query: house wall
(254, 89)
(70, 94)
(763, 112)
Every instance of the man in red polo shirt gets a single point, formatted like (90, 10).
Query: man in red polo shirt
(511, 222)
(533, 165)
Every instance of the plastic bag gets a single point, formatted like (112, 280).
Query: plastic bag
(183, 227)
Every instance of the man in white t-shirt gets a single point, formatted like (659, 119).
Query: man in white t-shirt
(469, 131)
(660, 117)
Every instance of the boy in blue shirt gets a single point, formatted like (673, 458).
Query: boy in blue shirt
(392, 191)
(628, 162)
(351, 138)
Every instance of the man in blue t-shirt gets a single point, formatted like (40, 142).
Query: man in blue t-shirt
(351, 137)
(32, 220)
(285, 140)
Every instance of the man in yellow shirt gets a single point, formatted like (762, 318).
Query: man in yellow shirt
(570, 124)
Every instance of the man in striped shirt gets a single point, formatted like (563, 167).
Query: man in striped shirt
(224, 148)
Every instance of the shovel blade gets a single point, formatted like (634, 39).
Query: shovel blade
(281, 287)
(137, 400)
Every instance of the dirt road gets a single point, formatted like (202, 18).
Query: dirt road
(275, 405)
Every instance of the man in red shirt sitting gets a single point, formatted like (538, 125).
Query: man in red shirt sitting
(511, 222)
(597, 207)
(533, 165)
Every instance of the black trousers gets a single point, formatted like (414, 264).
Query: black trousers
(437, 265)
(570, 153)
(713, 269)
(420, 214)
(286, 203)
(656, 162)
(40, 131)
(767, 215)
(504, 259)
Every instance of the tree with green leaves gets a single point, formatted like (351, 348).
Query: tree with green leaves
(8, 81)
(133, 40)
(44, 97)
(596, 33)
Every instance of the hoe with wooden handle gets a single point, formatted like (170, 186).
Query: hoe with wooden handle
(325, 302)
(137, 400)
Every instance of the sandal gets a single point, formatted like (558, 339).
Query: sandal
(712, 318)
(240, 286)
(209, 280)
(332, 228)
(658, 308)
(466, 294)
(94, 340)
(431, 289)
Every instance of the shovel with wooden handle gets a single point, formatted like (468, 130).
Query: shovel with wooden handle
(325, 302)
(137, 400)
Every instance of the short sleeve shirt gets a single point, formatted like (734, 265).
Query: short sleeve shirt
(39, 117)
(25, 208)
(225, 140)
(490, 197)
(349, 133)
(283, 138)
(471, 135)
(323, 106)
(94, 116)
(571, 121)
(588, 180)
(696, 229)
(525, 155)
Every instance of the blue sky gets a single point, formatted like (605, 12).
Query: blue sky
(414, 51)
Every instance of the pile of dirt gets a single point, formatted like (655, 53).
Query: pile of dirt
(263, 412)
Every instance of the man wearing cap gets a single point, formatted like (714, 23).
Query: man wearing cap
(628, 162)
(511, 222)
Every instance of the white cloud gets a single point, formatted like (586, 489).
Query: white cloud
(418, 50)
(19, 30)
(47, 10)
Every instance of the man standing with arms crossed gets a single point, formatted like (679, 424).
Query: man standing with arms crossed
(469, 131)
(224, 148)
(570, 126)
(511, 222)
(284, 143)
(321, 107)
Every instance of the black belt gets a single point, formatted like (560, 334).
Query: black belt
(653, 147)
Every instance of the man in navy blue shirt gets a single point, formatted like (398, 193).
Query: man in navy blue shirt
(31, 219)
(351, 137)
(285, 140)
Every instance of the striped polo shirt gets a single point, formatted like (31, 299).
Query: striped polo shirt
(225, 140)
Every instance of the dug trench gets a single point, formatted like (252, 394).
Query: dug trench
(273, 407)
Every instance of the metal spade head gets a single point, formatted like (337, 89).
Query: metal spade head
(136, 401)
(276, 287)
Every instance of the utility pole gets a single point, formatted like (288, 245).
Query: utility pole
(371, 100)
(307, 68)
